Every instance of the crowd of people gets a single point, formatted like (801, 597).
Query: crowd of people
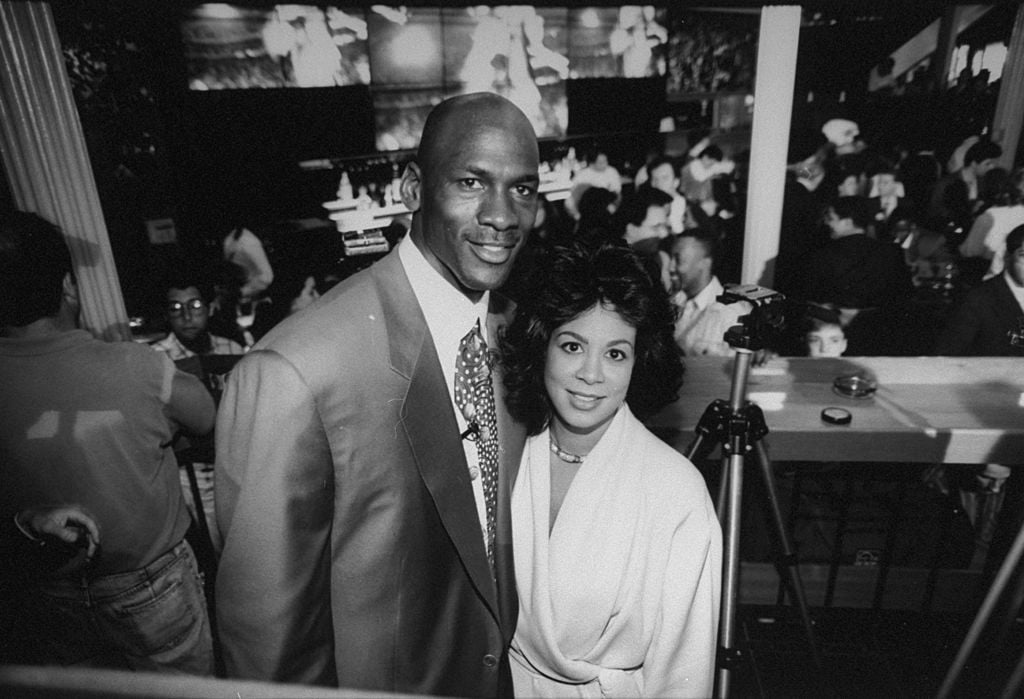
(434, 476)
(891, 246)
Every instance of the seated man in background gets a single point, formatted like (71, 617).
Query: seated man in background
(865, 278)
(664, 176)
(695, 178)
(597, 174)
(91, 423)
(704, 320)
(188, 313)
(954, 199)
(642, 221)
(989, 322)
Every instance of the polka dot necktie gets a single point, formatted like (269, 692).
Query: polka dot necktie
(474, 396)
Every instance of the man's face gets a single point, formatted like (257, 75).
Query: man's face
(1015, 265)
(187, 313)
(983, 166)
(654, 225)
(478, 202)
(849, 187)
(690, 264)
(600, 162)
(664, 178)
(886, 184)
(837, 225)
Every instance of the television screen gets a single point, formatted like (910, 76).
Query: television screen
(516, 51)
(399, 116)
(235, 47)
(617, 42)
(405, 47)
(711, 52)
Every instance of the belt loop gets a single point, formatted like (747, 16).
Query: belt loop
(86, 592)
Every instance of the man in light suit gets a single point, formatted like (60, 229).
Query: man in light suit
(355, 551)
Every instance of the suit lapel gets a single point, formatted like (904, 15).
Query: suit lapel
(430, 424)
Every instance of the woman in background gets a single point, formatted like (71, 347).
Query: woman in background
(617, 548)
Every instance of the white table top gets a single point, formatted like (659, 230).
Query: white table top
(926, 409)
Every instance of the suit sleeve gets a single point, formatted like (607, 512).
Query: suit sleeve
(275, 487)
(958, 336)
(681, 659)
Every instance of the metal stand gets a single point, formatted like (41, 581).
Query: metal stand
(738, 426)
(999, 585)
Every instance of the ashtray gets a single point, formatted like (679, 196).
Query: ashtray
(855, 386)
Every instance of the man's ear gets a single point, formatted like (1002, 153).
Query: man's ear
(69, 289)
(412, 186)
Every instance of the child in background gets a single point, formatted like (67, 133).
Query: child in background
(824, 335)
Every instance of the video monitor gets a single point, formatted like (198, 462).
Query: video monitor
(399, 116)
(617, 42)
(279, 46)
(712, 52)
(517, 51)
(406, 47)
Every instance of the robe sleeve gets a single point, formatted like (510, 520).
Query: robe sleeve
(681, 659)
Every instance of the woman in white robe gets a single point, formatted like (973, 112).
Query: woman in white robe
(617, 547)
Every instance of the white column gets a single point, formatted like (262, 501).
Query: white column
(43, 153)
(773, 108)
(1009, 115)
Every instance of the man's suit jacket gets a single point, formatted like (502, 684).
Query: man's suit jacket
(979, 325)
(353, 553)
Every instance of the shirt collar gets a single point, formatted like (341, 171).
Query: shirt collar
(709, 294)
(446, 309)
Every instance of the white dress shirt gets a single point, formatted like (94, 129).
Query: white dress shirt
(449, 315)
(700, 328)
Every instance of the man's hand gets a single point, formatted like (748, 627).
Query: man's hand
(67, 523)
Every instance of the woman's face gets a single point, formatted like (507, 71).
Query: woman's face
(589, 363)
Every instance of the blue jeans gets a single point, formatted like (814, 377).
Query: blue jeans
(153, 618)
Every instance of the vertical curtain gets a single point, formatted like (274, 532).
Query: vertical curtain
(43, 153)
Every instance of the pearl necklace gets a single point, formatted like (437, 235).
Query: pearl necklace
(567, 457)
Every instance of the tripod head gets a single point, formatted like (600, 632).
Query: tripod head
(763, 320)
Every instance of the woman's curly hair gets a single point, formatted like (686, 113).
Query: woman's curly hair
(568, 281)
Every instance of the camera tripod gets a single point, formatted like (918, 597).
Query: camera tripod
(738, 426)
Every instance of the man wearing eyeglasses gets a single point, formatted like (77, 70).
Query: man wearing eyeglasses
(188, 312)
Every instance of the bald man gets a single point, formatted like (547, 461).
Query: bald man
(356, 548)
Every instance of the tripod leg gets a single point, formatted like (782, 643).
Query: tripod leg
(730, 516)
(723, 492)
(978, 625)
(788, 558)
(693, 450)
